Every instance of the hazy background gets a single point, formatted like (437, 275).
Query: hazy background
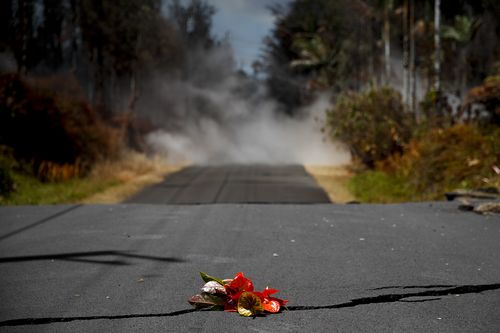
(209, 82)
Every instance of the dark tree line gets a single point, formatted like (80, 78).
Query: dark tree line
(348, 44)
(112, 46)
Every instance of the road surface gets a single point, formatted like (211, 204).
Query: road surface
(235, 184)
(424, 267)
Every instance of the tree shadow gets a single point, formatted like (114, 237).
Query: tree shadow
(32, 225)
(83, 257)
(387, 298)
(432, 286)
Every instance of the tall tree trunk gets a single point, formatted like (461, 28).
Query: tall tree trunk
(387, 40)
(413, 69)
(437, 45)
(24, 34)
(53, 18)
(6, 20)
(76, 38)
(406, 53)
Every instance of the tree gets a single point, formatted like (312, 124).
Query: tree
(124, 38)
(461, 33)
(24, 35)
(388, 7)
(193, 21)
(437, 45)
(319, 45)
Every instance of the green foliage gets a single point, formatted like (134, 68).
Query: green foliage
(339, 45)
(18, 187)
(373, 124)
(207, 278)
(435, 162)
(381, 187)
(461, 31)
(31, 191)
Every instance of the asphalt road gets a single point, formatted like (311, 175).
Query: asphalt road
(344, 268)
(235, 184)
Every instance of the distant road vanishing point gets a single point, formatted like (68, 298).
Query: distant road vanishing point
(235, 184)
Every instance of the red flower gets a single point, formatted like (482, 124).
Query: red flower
(235, 288)
(236, 294)
(271, 304)
(239, 284)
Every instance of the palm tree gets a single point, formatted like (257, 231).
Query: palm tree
(314, 56)
(461, 34)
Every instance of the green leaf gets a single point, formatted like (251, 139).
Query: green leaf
(208, 278)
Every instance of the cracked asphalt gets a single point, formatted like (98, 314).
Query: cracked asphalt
(417, 267)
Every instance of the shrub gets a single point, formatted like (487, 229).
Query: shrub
(459, 156)
(6, 181)
(7, 163)
(487, 94)
(373, 124)
(49, 125)
(441, 160)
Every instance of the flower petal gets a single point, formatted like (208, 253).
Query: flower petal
(239, 284)
(271, 306)
(213, 287)
(205, 300)
(269, 291)
(249, 304)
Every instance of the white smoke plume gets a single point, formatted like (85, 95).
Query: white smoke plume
(243, 129)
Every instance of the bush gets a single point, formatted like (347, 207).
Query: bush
(459, 156)
(7, 163)
(49, 125)
(436, 161)
(487, 94)
(6, 181)
(373, 124)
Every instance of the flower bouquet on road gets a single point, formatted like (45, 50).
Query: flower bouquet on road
(236, 295)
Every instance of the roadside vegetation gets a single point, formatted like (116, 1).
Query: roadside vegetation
(417, 161)
(415, 89)
(76, 93)
(109, 181)
(334, 180)
(56, 149)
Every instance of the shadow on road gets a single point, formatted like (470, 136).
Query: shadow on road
(82, 257)
(390, 298)
(32, 225)
(387, 298)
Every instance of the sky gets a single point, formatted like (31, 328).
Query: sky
(247, 22)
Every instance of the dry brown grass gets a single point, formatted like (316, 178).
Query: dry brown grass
(132, 173)
(333, 179)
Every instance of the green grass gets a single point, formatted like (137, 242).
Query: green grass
(30, 191)
(380, 187)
